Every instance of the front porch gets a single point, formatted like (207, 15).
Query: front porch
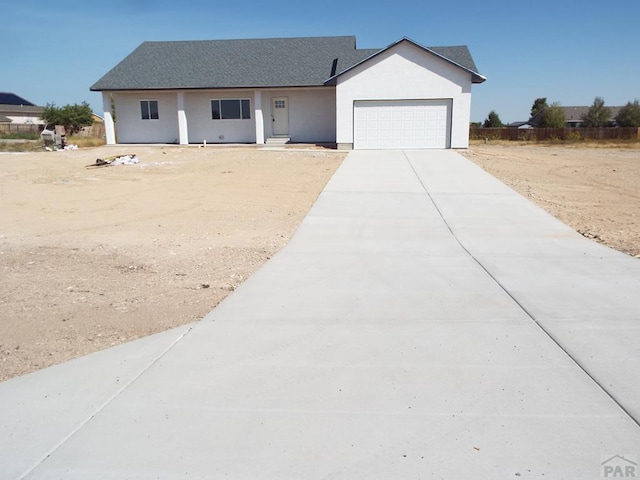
(303, 115)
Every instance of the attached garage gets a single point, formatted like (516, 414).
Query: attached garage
(403, 96)
(406, 97)
(402, 124)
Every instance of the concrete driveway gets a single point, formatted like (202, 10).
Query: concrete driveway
(424, 322)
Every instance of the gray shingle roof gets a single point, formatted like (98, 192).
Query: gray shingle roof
(573, 114)
(280, 62)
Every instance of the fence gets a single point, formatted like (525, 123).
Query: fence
(8, 128)
(92, 131)
(542, 134)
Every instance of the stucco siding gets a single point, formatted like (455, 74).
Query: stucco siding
(131, 128)
(202, 126)
(312, 114)
(405, 72)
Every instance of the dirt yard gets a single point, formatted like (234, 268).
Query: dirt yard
(595, 189)
(94, 257)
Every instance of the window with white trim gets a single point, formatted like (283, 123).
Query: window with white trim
(231, 109)
(149, 109)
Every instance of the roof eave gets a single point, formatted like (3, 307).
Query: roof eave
(477, 78)
(237, 87)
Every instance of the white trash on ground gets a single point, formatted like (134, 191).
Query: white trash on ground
(125, 160)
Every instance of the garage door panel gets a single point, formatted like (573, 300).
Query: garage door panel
(402, 124)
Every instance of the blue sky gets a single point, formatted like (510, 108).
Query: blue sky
(567, 51)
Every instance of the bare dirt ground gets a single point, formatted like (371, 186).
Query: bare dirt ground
(594, 189)
(94, 257)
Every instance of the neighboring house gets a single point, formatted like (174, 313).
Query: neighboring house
(573, 117)
(311, 90)
(18, 110)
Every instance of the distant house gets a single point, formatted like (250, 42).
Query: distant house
(309, 89)
(17, 110)
(573, 117)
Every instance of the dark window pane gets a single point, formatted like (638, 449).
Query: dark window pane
(153, 108)
(215, 109)
(144, 108)
(246, 109)
(230, 109)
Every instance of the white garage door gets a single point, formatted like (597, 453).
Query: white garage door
(402, 124)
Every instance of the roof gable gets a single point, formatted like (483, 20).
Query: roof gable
(458, 56)
(250, 63)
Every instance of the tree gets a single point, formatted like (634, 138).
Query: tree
(629, 115)
(493, 120)
(598, 115)
(73, 117)
(538, 106)
(552, 116)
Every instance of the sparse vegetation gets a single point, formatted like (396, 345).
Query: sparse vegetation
(493, 120)
(538, 106)
(85, 142)
(73, 117)
(19, 136)
(629, 115)
(598, 115)
(552, 116)
(26, 146)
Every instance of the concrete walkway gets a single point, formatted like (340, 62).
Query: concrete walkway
(424, 322)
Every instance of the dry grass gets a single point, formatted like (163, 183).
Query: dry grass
(626, 144)
(21, 146)
(85, 142)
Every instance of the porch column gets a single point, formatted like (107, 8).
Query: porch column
(109, 127)
(258, 117)
(183, 131)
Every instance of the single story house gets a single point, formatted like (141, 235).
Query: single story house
(18, 111)
(573, 117)
(303, 90)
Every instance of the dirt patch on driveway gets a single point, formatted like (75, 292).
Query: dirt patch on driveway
(94, 257)
(595, 189)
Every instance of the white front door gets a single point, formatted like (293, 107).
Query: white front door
(280, 115)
